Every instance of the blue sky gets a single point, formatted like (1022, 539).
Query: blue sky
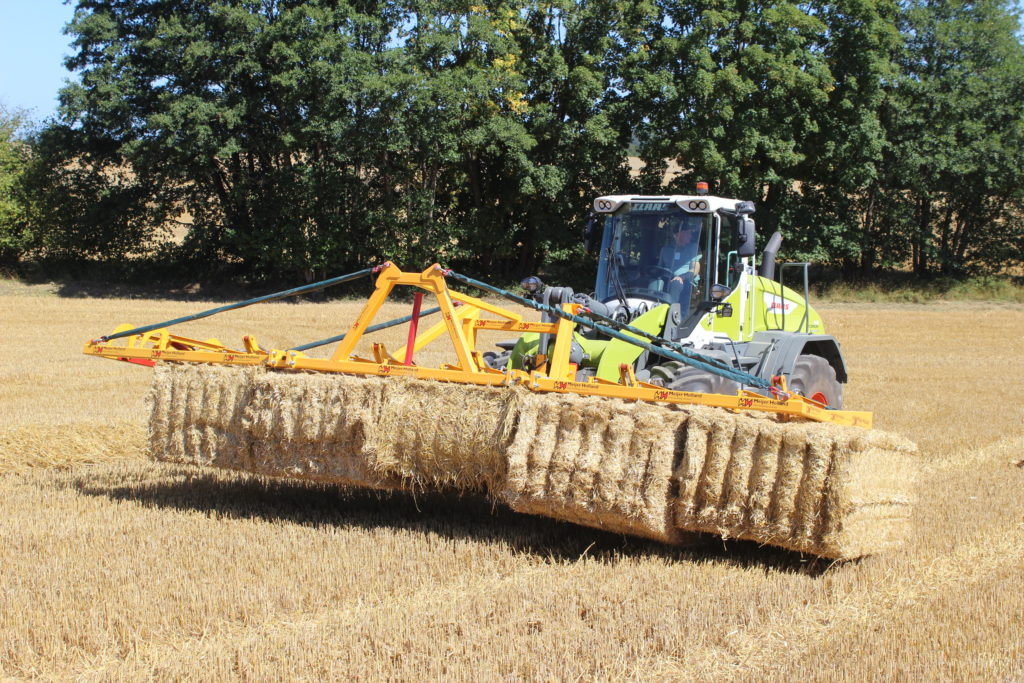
(32, 49)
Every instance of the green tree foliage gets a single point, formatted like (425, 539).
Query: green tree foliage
(304, 137)
(14, 158)
(307, 137)
(951, 195)
(773, 101)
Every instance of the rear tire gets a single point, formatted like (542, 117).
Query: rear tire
(814, 378)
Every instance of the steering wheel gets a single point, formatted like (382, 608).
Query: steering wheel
(659, 271)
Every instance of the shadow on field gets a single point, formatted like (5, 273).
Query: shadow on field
(236, 496)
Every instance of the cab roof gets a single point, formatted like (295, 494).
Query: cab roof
(691, 203)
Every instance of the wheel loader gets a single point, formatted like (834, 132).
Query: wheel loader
(688, 394)
(682, 268)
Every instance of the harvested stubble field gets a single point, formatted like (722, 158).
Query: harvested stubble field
(115, 567)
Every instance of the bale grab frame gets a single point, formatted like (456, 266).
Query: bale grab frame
(460, 320)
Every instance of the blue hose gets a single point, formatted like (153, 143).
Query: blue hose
(371, 328)
(241, 304)
(683, 355)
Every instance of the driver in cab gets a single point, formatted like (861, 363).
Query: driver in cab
(681, 257)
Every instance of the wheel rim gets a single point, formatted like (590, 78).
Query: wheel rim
(819, 397)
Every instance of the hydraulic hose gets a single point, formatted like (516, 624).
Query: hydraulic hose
(691, 358)
(371, 328)
(316, 286)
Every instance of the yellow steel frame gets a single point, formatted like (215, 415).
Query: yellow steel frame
(460, 319)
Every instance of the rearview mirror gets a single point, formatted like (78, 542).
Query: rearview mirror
(746, 234)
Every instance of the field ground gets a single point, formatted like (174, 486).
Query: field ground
(113, 567)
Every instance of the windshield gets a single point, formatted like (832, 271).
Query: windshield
(653, 255)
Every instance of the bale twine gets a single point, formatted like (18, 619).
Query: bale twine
(660, 472)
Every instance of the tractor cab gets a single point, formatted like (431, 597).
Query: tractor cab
(679, 270)
(678, 250)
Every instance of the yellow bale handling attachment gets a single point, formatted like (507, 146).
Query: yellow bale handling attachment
(461, 320)
(628, 456)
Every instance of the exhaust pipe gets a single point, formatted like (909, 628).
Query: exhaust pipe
(768, 256)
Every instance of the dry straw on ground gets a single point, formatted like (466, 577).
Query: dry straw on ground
(65, 446)
(647, 470)
(134, 570)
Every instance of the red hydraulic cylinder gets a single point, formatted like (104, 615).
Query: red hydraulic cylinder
(413, 324)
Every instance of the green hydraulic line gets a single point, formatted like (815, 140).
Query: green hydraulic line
(323, 284)
(689, 358)
(372, 328)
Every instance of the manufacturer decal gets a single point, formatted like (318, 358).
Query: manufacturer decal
(778, 304)
(648, 207)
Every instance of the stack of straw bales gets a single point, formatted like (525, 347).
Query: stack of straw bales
(649, 470)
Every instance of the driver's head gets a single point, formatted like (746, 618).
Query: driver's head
(684, 234)
(687, 229)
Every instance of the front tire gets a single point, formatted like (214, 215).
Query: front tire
(814, 378)
(679, 377)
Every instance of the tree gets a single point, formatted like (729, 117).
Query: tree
(317, 136)
(733, 89)
(313, 136)
(258, 118)
(772, 101)
(14, 157)
(953, 173)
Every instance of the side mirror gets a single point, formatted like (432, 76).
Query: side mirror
(591, 233)
(746, 234)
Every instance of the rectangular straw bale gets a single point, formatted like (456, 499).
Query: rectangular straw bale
(613, 441)
(648, 470)
(195, 413)
(837, 492)
(764, 464)
(284, 424)
(870, 500)
(737, 479)
(599, 462)
(441, 435)
(792, 459)
(314, 426)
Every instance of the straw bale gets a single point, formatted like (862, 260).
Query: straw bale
(600, 462)
(313, 426)
(648, 470)
(441, 435)
(281, 424)
(837, 492)
(196, 413)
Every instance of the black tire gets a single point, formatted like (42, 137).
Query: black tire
(665, 372)
(498, 361)
(694, 379)
(814, 378)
